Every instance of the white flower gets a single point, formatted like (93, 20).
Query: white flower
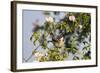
(38, 54)
(80, 26)
(72, 18)
(49, 19)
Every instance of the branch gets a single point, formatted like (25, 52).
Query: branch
(31, 54)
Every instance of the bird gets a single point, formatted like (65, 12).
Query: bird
(58, 42)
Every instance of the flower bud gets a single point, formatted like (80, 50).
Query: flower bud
(72, 18)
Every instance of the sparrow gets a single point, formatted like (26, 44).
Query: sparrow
(58, 42)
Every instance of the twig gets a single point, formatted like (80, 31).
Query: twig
(29, 58)
(31, 54)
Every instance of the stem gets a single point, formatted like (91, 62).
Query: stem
(29, 58)
(31, 54)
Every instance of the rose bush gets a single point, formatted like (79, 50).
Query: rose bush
(61, 39)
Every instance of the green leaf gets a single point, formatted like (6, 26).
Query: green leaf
(86, 57)
(33, 52)
(75, 58)
(36, 36)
